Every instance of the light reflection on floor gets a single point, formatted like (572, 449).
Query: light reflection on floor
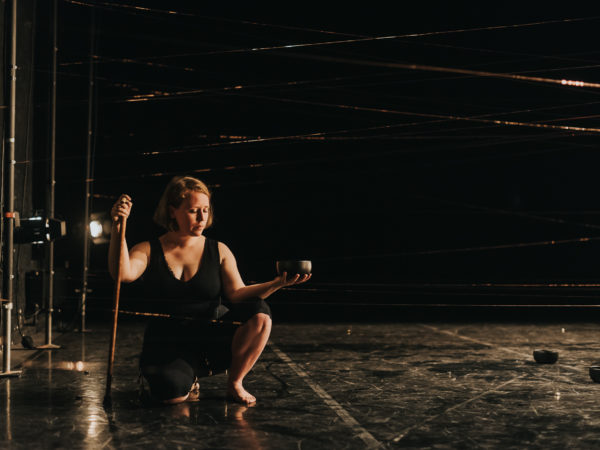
(78, 366)
(326, 386)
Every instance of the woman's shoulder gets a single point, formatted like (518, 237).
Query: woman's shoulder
(224, 251)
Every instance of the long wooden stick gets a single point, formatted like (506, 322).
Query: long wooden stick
(113, 336)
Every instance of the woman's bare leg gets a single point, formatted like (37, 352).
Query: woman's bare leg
(173, 401)
(248, 343)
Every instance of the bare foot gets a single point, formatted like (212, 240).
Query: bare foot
(237, 393)
(194, 395)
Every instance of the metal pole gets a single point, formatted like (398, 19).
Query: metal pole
(9, 214)
(88, 175)
(52, 183)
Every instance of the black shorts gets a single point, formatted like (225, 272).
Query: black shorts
(175, 352)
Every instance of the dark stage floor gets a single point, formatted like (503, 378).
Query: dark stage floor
(326, 386)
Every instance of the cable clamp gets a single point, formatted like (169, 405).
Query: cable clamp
(13, 215)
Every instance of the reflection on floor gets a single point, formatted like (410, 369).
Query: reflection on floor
(326, 386)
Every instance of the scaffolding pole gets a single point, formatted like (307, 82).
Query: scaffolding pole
(88, 175)
(52, 182)
(9, 214)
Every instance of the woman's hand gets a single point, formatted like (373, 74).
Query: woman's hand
(122, 208)
(285, 280)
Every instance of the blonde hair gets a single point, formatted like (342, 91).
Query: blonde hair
(178, 189)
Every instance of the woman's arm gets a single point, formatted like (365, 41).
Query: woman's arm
(133, 263)
(234, 288)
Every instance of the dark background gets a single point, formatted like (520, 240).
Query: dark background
(330, 153)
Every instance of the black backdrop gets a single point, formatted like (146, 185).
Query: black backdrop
(329, 152)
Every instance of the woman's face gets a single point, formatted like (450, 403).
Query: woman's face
(192, 214)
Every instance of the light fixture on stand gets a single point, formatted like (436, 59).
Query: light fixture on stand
(38, 230)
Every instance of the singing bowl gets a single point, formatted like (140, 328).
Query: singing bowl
(292, 267)
(545, 356)
(595, 373)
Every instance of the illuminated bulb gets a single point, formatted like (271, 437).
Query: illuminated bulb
(95, 228)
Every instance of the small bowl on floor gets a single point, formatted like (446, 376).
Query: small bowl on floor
(545, 356)
(293, 267)
(595, 373)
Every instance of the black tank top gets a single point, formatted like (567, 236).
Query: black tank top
(199, 296)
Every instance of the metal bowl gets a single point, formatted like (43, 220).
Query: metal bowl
(545, 356)
(595, 373)
(292, 267)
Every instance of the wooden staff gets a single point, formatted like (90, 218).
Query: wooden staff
(113, 336)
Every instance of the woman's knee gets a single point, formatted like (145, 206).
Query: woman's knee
(168, 385)
(261, 322)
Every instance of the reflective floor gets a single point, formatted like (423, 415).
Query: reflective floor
(326, 386)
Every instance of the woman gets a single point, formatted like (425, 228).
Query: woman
(189, 273)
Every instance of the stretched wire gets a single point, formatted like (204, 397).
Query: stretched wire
(145, 62)
(518, 154)
(397, 288)
(318, 134)
(337, 42)
(404, 292)
(237, 140)
(164, 95)
(157, 95)
(462, 285)
(249, 140)
(169, 95)
(359, 302)
(333, 158)
(116, 6)
(428, 115)
(237, 185)
(363, 155)
(466, 249)
(371, 303)
(234, 140)
(109, 59)
(510, 213)
(246, 140)
(457, 70)
(192, 92)
(410, 137)
(512, 53)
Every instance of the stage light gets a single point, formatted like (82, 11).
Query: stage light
(96, 228)
(100, 226)
(39, 229)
